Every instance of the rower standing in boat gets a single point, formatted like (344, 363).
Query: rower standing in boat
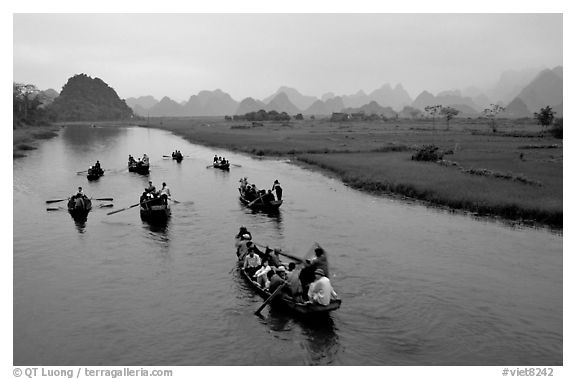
(165, 193)
(321, 291)
(276, 187)
(320, 261)
(215, 158)
(294, 287)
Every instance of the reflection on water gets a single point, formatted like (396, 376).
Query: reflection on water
(80, 222)
(321, 341)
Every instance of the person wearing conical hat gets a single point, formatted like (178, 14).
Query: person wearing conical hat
(321, 291)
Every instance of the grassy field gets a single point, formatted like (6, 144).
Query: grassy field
(515, 173)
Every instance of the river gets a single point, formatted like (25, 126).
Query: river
(420, 285)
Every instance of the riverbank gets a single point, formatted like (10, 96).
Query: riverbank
(26, 138)
(515, 174)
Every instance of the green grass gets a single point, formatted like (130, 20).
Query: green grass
(447, 186)
(375, 156)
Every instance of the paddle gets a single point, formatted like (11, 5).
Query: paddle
(81, 172)
(54, 209)
(297, 259)
(235, 165)
(102, 199)
(122, 209)
(252, 202)
(55, 201)
(132, 206)
(106, 205)
(211, 166)
(270, 298)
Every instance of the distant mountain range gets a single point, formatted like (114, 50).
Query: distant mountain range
(522, 91)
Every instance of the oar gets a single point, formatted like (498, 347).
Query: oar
(270, 298)
(122, 209)
(54, 209)
(235, 165)
(252, 202)
(55, 201)
(81, 172)
(106, 205)
(102, 198)
(297, 259)
(132, 206)
(167, 156)
(210, 166)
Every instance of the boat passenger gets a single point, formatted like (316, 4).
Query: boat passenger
(131, 159)
(260, 275)
(79, 194)
(320, 261)
(145, 159)
(252, 263)
(97, 165)
(275, 258)
(269, 197)
(294, 287)
(151, 189)
(277, 279)
(215, 158)
(242, 249)
(243, 233)
(165, 193)
(321, 291)
(269, 276)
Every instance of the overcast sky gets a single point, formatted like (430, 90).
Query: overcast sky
(178, 55)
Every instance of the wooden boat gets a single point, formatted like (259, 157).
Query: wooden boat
(221, 166)
(177, 157)
(155, 210)
(79, 207)
(260, 205)
(287, 302)
(139, 167)
(94, 173)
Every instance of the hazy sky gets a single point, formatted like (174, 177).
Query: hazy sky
(178, 55)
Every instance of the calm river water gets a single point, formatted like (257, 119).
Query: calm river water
(420, 286)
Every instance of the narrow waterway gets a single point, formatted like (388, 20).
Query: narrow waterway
(420, 286)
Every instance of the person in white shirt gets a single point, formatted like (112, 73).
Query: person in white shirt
(261, 276)
(321, 291)
(251, 263)
(165, 193)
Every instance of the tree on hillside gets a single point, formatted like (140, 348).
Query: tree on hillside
(26, 105)
(545, 117)
(433, 110)
(449, 113)
(491, 113)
